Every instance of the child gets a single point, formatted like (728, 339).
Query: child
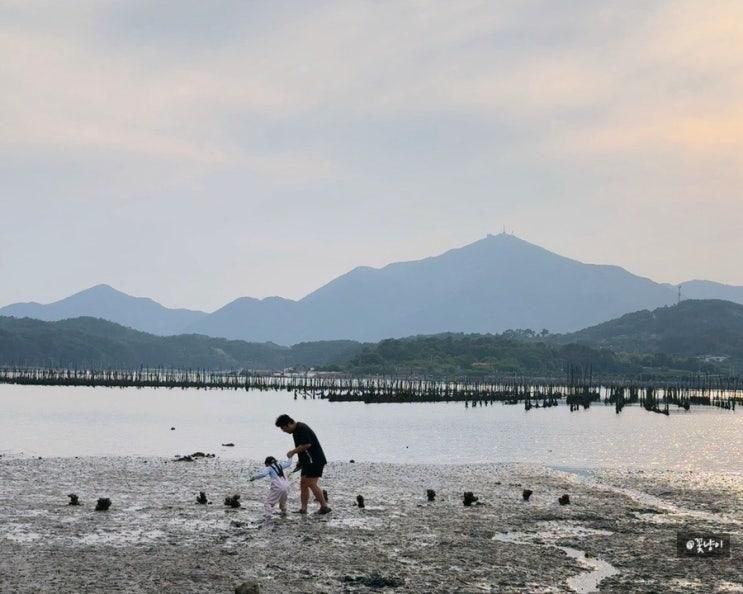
(279, 484)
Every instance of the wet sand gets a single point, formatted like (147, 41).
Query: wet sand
(618, 534)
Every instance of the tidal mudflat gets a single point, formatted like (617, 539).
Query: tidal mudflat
(618, 534)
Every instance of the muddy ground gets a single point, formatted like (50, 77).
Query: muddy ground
(618, 533)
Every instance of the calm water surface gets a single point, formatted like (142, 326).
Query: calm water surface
(62, 421)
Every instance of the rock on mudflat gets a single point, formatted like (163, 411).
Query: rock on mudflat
(526, 494)
(74, 499)
(431, 495)
(201, 455)
(469, 498)
(360, 501)
(564, 499)
(201, 499)
(233, 502)
(102, 504)
(251, 587)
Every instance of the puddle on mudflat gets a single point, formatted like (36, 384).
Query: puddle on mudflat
(589, 581)
(553, 530)
(19, 533)
(69, 520)
(32, 513)
(651, 501)
(121, 537)
(653, 518)
(598, 569)
(549, 530)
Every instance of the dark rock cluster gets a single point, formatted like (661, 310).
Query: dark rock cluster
(469, 498)
(103, 504)
(233, 501)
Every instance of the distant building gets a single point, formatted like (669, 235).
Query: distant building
(714, 358)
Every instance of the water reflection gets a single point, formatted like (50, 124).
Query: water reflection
(58, 421)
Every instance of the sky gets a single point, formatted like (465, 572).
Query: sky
(195, 152)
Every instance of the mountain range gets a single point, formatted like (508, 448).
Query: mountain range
(695, 336)
(497, 283)
(95, 343)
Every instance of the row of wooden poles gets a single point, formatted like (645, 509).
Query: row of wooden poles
(577, 391)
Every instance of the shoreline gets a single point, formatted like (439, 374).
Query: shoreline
(619, 527)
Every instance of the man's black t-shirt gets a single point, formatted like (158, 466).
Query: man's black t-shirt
(314, 454)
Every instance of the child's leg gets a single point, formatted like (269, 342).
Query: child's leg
(282, 500)
(274, 495)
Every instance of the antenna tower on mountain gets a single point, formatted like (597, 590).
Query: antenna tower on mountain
(679, 295)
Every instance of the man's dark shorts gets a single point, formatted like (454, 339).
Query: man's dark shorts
(312, 470)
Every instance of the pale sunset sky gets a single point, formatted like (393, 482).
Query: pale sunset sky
(195, 152)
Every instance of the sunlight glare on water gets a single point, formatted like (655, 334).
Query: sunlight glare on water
(79, 421)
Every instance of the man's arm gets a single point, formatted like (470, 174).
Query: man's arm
(304, 437)
(298, 449)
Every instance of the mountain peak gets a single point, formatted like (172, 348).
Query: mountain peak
(501, 235)
(102, 287)
(502, 245)
(504, 238)
(97, 291)
(105, 302)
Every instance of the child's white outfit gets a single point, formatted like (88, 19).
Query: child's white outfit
(279, 485)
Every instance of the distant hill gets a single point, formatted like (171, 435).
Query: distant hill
(90, 342)
(95, 343)
(700, 289)
(261, 320)
(693, 328)
(511, 354)
(489, 286)
(494, 284)
(103, 301)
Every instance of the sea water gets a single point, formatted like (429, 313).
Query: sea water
(79, 421)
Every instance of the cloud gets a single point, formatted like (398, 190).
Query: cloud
(151, 94)
(437, 122)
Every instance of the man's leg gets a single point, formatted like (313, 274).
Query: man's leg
(304, 493)
(317, 492)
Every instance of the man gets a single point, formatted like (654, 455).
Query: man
(311, 461)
